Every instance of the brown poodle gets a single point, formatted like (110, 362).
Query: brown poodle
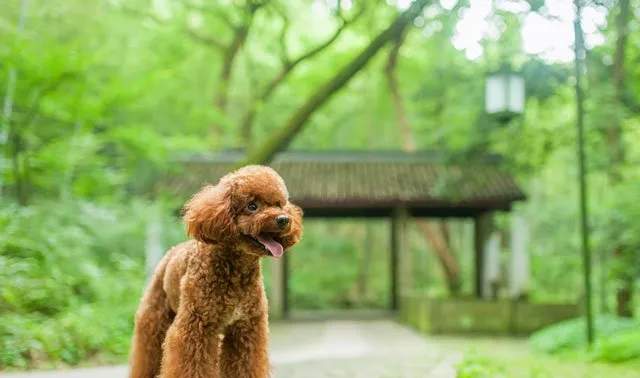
(204, 314)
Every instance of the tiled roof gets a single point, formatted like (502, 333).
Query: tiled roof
(365, 179)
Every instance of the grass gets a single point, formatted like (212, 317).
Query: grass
(508, 358)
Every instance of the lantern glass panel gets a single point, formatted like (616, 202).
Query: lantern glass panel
(495, 96)
(515, 94)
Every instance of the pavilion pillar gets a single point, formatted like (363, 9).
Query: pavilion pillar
(491, 273)
(279, 301)
(401, 277)
(519, 272)
(483, 227)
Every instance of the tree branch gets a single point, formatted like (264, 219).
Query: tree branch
(240, 35)
(192, 33)
(205, 40)
(408, 141)
(282, 137)
(345, 23)
(288, 66)
(218, 14)
(282, 39)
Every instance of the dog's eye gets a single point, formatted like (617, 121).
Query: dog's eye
(252, 207)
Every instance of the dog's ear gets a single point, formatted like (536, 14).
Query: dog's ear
(294, 234)
(209, 214)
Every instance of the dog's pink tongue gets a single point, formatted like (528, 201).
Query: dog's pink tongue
(273, 246)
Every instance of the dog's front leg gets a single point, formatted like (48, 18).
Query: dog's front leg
(245, 351)
(190, 348)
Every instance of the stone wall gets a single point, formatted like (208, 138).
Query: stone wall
(473, 316)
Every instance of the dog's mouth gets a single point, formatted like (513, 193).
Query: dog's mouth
(269, 243)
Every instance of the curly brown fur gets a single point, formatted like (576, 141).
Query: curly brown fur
(204, 314)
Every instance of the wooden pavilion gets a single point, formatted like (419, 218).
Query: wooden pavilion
(391, 185)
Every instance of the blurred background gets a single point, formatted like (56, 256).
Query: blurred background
(102, 100)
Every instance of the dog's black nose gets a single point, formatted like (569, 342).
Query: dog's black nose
(282, 221)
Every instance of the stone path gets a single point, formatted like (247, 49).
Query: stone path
(332, 349)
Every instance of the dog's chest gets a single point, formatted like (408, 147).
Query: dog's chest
(235, 315)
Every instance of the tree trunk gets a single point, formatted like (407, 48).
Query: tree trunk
(519, 266)
(402, 120)
(435, 233)
(221, 95)
(281, 138)
(230, 53)
(614, 132)
(624, 293)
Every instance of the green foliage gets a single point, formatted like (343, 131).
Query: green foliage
(521, 364)
(570, 335)
(621, 347)
(71, 275)
(478, 367)
(325, 270)
(616, 228)
(73, 335)
(483, 365)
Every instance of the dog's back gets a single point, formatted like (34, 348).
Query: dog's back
(177, 262)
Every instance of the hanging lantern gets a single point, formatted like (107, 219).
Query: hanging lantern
(504, 94)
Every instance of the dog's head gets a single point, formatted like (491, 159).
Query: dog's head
(248, 208)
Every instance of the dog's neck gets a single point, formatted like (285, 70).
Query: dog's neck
(235, 263)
